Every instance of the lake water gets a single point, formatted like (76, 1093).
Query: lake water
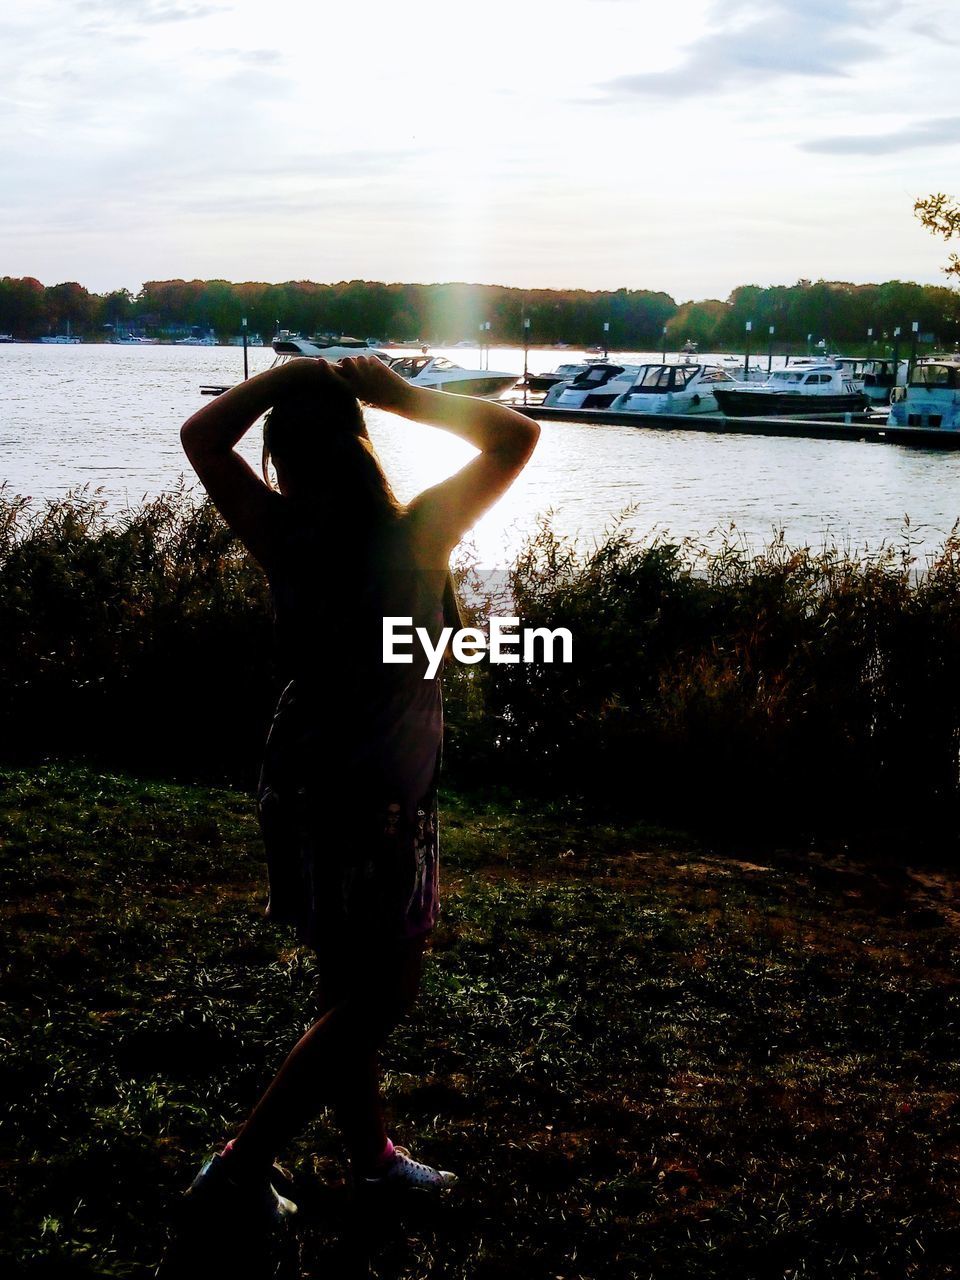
(109, 417)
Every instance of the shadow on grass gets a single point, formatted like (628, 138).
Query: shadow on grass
(642, 1056)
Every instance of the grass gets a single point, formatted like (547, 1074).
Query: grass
(644, 1057)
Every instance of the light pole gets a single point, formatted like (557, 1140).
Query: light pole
(663, 343)
(243, 328)
(896, 353)
(526, 348)
(915, 331)
(770, 349)
(606, 338)
(746, 354)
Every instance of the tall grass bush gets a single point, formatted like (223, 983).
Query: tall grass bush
(792, 691)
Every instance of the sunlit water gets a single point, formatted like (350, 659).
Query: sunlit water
(108, 417)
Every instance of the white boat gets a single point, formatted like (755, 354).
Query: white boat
(436, 373)
(735, 367)
(808, 387)
(441, 374)
(62, 339)
(932, 396)
(674, 388)
(208, 340)
(562, 373)
(132, 340)
(595, 388)
(877, 375)
(291, 344)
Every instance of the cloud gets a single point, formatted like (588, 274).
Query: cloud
(925, 133)
(149, 11)
(250, 57)
(751, 45)
(933, 31)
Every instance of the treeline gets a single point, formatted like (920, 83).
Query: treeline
(790, 693)
(624, 319)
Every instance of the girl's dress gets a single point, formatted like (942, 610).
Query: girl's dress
(347, 798)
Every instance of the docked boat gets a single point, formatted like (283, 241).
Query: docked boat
(820, 386)
(134, 340)
(440, 374)
(596, 388)
(206, 340)
(689, 348)
(674, 388)
(435, 373)
(327, 347)
(562, 373)
(878, 376)
(740, 372)
(62, 339)
(932, 396)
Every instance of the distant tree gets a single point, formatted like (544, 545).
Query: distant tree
(114, 309)
(68, 303)
(21, 306)
(698, 321)
(941, 215)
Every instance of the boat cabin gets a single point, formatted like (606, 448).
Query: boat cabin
(659, 379)
(596, 375)
(937, 376)
(411, 366)
(797, 377)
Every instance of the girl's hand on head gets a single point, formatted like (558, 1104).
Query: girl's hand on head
(308, 375)
(374, 382)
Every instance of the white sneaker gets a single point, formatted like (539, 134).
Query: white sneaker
(404, 1171)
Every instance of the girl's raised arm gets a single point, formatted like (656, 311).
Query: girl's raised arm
(209, 437)
(505, 439)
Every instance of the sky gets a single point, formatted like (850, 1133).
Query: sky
(598, 144)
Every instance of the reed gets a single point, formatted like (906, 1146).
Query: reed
(794, 692)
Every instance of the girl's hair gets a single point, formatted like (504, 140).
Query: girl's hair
(328, 438)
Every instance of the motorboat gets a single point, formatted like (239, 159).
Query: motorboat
(818, 386)
(62, 339)
(596, 388)
(878, 376)
(325, 346)
(689, 348)
(740, 371)
(931, 397)
(674, 388)
(440, 374)
(206, 340)
(134, 340)
(562, 373)
(435, 373)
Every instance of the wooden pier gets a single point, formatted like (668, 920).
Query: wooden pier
(800, 428)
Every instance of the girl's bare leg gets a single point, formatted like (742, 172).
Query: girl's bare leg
(335, 1061)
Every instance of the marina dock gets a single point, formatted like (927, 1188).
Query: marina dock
(874, 430)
